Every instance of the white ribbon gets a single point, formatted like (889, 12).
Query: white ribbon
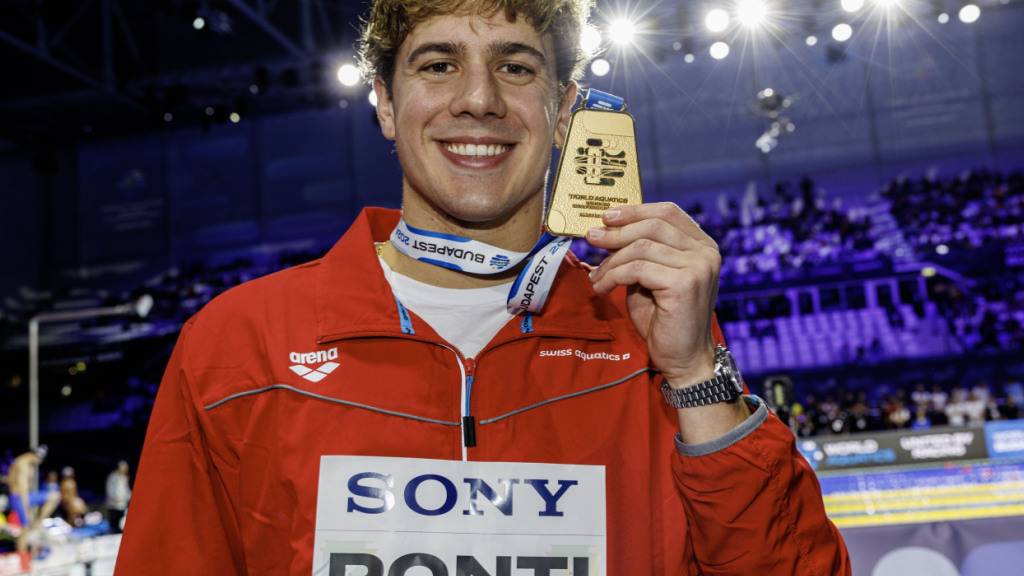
(530, 290)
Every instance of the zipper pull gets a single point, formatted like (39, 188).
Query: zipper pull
(468, 422)
(468, 431)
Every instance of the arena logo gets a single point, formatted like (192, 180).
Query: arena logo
(325, 359)
(465, 565)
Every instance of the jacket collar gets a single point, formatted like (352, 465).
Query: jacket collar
(353, 299)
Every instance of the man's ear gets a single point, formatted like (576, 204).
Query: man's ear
(385, 109)
(565, 112)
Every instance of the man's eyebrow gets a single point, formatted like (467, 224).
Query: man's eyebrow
(441, 47)
(511, 48)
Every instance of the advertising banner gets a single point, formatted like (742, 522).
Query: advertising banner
(894, 448)
(1005, 439)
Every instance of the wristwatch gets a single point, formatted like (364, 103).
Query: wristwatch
(725, 386)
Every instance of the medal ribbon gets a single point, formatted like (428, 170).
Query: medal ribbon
(530, 290)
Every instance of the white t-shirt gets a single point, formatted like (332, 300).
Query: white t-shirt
(465, 317)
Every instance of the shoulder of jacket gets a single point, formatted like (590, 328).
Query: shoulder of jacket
(229, 333)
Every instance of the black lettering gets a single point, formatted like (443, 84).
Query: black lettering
(468, 566)
(428, 561)
(542, 565)
(341, 561)
(580, 566)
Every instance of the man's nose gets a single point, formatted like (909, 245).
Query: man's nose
(478, 94)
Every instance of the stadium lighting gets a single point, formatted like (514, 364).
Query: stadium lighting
(235, 117)
(590, 40)
(689, 58)
(372, 97)
(811, 40)
(842, 32)
(751, 13)
(622, 31)
(719, 50)
(716, 20)
(852, 5)
(348, 75)
(887, 4)
(600, 67)
(969, 13)
(199, 23)
(942, 249)
(943, 18)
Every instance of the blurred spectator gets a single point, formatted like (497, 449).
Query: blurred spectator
(119, 491)
(956, 410)
(921, 420)
(73, 504)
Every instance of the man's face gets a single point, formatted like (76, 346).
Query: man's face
(473, 109)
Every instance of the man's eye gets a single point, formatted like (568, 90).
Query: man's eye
(517, 69)
(438, 67)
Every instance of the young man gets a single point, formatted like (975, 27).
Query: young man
(371, 352)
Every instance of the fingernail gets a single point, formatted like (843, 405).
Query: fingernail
(612, 214)
(595, 232)
(593, 273)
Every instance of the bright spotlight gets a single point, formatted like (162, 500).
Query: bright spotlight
(811, 40)
(590, 40)
(852, 5)
(348, 75)
(716, 20)
(600, 67)
(887, 4)
(751, 13)
(942, 249)
(235, 117)
(622, 31)
(372, 97)
(943, 18)
(842, 32)
(689, 58)
(969, 13)
(199, 23)
(719, 50)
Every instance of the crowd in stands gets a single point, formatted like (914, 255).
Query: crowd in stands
(964, 212)
(785, 230)
(919, 408)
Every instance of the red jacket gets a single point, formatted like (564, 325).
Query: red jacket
(227, 482)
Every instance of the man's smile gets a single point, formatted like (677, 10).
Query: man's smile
(476, 153)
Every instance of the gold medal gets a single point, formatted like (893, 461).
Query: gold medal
(598, 170)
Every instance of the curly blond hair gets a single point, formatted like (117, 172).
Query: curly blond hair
(390, 22)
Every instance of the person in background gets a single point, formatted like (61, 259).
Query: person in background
(119, 491)
(21, 481)
(74, 506)
(921, 421)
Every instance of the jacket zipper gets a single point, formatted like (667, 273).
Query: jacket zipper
(468, 424)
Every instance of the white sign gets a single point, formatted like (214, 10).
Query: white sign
(405, 516)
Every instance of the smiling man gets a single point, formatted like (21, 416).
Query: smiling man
(352, 414)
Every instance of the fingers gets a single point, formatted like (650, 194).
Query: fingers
(642, 249)
(645, 273)
(667, 212)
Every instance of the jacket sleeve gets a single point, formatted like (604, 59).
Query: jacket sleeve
(180, 520)
(754, 505)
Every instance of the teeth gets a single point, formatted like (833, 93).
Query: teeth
(476, 149)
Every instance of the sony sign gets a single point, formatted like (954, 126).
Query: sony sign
(385, 516)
